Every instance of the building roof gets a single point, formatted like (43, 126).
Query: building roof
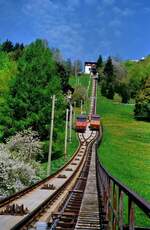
(90, 63)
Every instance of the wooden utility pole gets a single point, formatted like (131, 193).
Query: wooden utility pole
(81, 107)
(74, 111)
(66, 134)
(51, 137)
(70, 123)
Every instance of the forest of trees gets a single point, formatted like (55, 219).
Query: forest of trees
(29, 76)
(129, 79)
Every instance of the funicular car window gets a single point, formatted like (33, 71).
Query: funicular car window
(81, 119)
(95, 118)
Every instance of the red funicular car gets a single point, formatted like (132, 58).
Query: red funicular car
(81, 123)
(95, 122)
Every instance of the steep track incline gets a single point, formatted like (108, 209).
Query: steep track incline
(24, 205)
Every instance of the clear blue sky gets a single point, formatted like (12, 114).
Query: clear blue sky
(80, 28)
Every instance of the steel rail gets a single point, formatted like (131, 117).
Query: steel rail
(76, 186)
(41, 208)
(23, 192)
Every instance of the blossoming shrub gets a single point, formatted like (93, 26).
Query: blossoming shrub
(14, 173)
(25, 146)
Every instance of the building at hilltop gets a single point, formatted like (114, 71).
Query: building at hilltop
(88, 66)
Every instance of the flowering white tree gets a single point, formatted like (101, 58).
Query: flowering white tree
(14, 174)
(18, 164)
(25, 145)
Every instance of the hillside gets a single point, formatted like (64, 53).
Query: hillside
(125, 146)
(136, 72)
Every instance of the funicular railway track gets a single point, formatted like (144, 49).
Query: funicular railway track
(44, 193)
(81, 195)
(40, 202)
(80, 210)
(69, 211)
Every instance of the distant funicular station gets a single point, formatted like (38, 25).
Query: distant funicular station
(88, 65)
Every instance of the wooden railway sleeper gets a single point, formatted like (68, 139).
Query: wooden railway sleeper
(75, 199)
(48, 187)
(15, 210)
(58, 228)
(69, 169)
(62, 176)
(72, 201)
(73, 205)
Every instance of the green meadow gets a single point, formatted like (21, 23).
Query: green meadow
(125, 148)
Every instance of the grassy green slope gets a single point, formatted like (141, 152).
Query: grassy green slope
(125, 147)
(84, 81)
(125, 150)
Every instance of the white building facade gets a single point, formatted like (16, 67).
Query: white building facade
(88, 66)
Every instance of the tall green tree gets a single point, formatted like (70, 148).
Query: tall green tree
(142, 105)
(124, 92)
(136, 71)
(7, 46)
(17, 51)
(30, 96)
(8, 69)
(18, 46)
(108, 82)
(108, 69)
(99, 62)
(64, 77)
(100, 68)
